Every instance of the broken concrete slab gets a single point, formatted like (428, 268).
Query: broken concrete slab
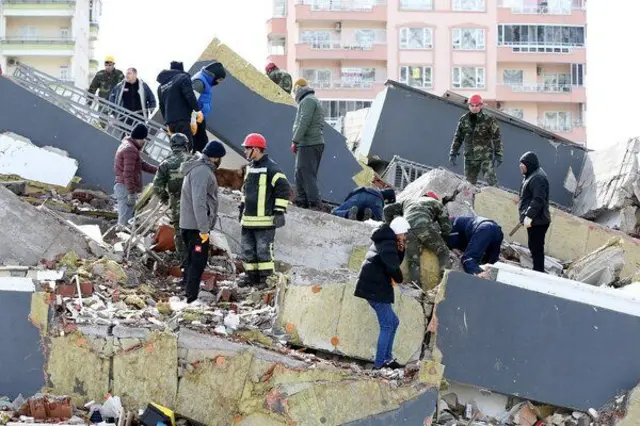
(624, 219)
(418, 411)
(538, 327)
(601, 267)
(33, 234)
(632, 406)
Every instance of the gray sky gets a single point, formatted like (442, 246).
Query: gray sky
(183, 30)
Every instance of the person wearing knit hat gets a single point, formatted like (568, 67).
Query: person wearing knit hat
(128, 167)
(301, 82)
(175, 65)
(203, 81)
(199, 212)
(279, 77)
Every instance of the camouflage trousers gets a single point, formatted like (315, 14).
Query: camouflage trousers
(473, 168)
(181, 248)
(427, 238)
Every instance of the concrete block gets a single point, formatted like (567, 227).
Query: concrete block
(418, 411)
(538, 326)
(149, 373)
(122, 332)
(429, 270)
(101, 331)
(632, 416)
(601, 267)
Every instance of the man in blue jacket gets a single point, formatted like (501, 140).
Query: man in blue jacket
(365, 203)
(480, 240)
(209, 76)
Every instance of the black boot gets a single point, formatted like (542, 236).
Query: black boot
(368, 214)
(250, 279)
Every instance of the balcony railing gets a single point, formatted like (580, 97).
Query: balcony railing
(542, 9)
(36, 40)
(39, 1)
(342, 45)
(342, 5)
(539, 88)
(540, 46)
(343, 84)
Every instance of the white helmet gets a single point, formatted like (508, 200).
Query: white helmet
(400, 225)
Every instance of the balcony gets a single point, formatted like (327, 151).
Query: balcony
(347, 89)
(337, 50)
(39, 7)
(540, 92)
(572, 13)
(37, 46)
(556, 53)
(277, 26)
(575, 131)
(94, 29)
(341, 10)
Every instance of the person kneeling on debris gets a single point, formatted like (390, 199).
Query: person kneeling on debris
(167, 185)
(265, 198)
(365, 203)
(430, 228)
(479, 238)
(128, 166)
(199, 212)
(381, 267)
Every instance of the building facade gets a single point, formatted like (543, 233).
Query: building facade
(55, 36)
(525, 57)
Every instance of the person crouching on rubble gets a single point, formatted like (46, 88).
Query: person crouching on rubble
(381, 268)
(479, 238)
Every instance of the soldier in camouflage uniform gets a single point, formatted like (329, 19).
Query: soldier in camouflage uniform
(104, 81)
(167, 185)
(430, 228)
(279, 77)
(480, 134)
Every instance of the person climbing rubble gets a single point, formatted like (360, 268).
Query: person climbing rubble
(479, 238)
(380, 269)
(199, 212)
(430, 228)
(279, 77)
(533, 206)
(480, 134)
(265, 198)
(167, 185)
(203, 82)
(128, 166)
(365, 203)
(177, 101)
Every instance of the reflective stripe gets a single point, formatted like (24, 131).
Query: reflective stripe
(262, 195)
(266, 266)
(243, 199)
(277, 176)
(251, 266)
(256, 170)
(254, 221)
(175, 174)
(281, 202)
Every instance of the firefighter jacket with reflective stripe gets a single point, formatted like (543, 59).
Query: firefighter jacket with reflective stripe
(265, 191)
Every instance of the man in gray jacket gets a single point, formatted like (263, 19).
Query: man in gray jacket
(307, 146)
(199, 212)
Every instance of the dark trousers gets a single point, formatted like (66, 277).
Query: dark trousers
(197, 257)
(257, 252)
(389, 322)
(306, 174)
(483, 247)
(536, 235)
(200, 139)
(184, 127)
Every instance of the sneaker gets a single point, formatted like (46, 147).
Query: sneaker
(368, 214)
(392, 364)
(353, 213)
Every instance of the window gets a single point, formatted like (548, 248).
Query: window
(28, 31)
(557, 82)
(417, 76)
(277, 47)
(317, 39)
(335, 109)
(416, 4)
(468, 38)
(365, 38)
(416, 38)
(279, 8)
(357, 77)
(578, 72)
(515, 112)
(64, 33)
(339, 4)
(468, 77)
(468, 5)
(513, 77)
(537, 37)
(318, 78)
(559, 121)
(64, 73)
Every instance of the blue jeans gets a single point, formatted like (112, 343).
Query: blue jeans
(389, 322)
(125, 211)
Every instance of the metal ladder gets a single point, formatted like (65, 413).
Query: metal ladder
(108, 117)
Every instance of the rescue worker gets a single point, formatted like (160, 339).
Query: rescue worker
(480, 134)
(307, 146)
(209, 76)
(134, 95)
(534, 206)
(479, 238)
(265, 198)
(104, 81)
(430, 229)
(279, 77)
(365, 203)
(199, 212)
(167, 185)
(177, 101)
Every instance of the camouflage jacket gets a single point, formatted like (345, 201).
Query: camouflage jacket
(481, 142)
(282, 79)
(104, 82)
(167, 184)
(421, 213)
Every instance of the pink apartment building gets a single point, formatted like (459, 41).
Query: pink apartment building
(525, 57)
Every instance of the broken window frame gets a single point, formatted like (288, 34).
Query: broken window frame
(476, 35)
(406, 38)
(458, 79)
(426, 76)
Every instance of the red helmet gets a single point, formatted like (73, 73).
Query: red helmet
(255, 140)
(431, 194)
(269, 67)
(475, 100)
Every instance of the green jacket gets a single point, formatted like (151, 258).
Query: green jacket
(307, 127)
(282, 79)
(421, 213)
(167, 184)
(104, 82)
(480, 143)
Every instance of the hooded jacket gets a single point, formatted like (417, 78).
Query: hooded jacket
(147, 99)
(381, 264)
(534, 192)
(128, 166)
(309, 121)
(175, 96)
(199, 195)
(203, 82)
(479, 238)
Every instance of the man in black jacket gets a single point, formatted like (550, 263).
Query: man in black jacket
(381, 268)
(177, 100)
(534, 206)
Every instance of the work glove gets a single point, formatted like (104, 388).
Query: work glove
(194, 123)
(452, 159)
(131, 199)
(204, 238)
(294, 148)
(497, 161)
(279, 221)
(527, 222)
(199, 117)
